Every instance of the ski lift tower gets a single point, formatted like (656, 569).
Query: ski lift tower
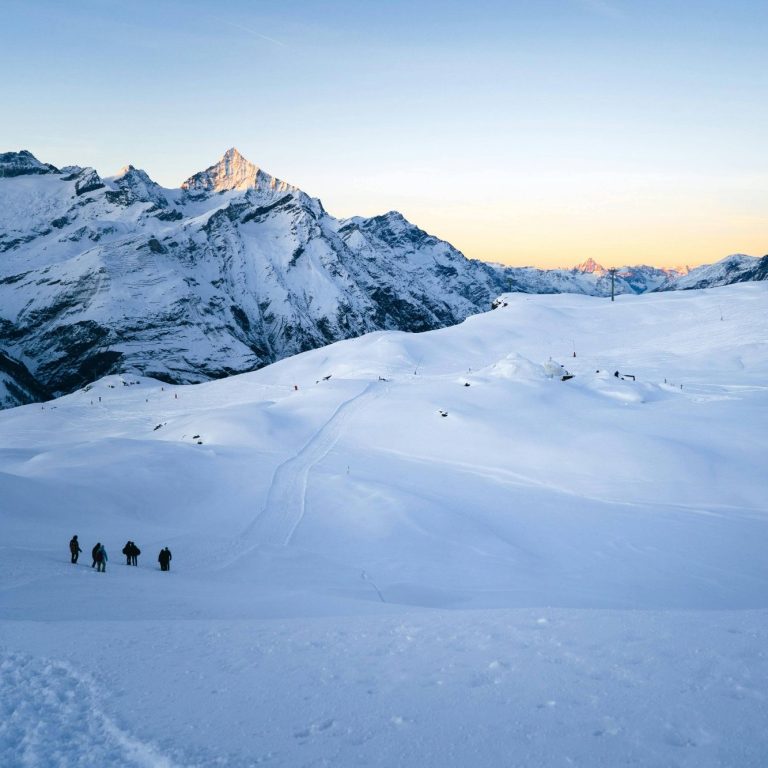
(612, 270)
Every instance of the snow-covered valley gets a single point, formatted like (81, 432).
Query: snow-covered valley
(553, 573)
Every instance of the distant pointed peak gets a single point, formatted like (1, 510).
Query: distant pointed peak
(234, 153)
(131, 173)
(590, 266)
(234, 172)
(137, 180)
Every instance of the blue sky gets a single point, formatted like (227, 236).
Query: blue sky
(526, 132)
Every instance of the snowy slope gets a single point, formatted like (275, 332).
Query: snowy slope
(737, 268)
(234, 270)
(555, 573)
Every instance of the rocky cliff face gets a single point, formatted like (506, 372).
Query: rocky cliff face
(234, 270)
(17, 385)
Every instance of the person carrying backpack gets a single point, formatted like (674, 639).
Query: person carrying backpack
(94, 553)
(134, 553)
(164, 558)
(74, 548)
(101, 559)
(127, 552)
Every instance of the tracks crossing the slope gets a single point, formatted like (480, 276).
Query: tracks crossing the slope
(286, 500)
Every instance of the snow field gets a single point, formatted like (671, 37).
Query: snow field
(556, 573)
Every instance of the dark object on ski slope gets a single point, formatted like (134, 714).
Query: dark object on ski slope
(567, 376)
(466, 383)
(443, 413)
(325, 378)
(94, 553)
(101, 558)
(157, 427)
(496, 303)
(628, 376)
(195, 437)
(164, 558)
(616, 374)
(381, 378)
(199, 442)
(74, 548)
(131, 552)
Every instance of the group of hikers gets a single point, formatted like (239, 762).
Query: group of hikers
(130, 550)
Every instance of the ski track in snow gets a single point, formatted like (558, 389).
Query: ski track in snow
(286, 499)
(50, 716)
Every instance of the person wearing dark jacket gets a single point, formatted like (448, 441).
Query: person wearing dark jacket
(74, 548)
(127, 552)
(94, 553)
(135, 552)
(164, 558)
(101, 559)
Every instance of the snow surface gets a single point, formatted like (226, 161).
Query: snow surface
(556, 573)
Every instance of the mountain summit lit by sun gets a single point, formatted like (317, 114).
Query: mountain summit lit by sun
(234, 172)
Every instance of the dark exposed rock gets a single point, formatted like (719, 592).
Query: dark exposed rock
(17, 385)
(87, 181)
(22, 163)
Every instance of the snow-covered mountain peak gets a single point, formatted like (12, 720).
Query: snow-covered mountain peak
(22, 163)
(234, 172)
(130, 172)
(139, 186)
(235, 271)
(590, 266)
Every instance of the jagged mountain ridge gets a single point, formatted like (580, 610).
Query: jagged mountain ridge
(737, 268)
(588, 278)
(593, 279)
(232, 271)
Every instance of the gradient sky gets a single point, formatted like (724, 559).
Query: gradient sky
(539, 132)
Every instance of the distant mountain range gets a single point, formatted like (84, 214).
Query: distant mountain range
(233, 270)
(595, 280)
